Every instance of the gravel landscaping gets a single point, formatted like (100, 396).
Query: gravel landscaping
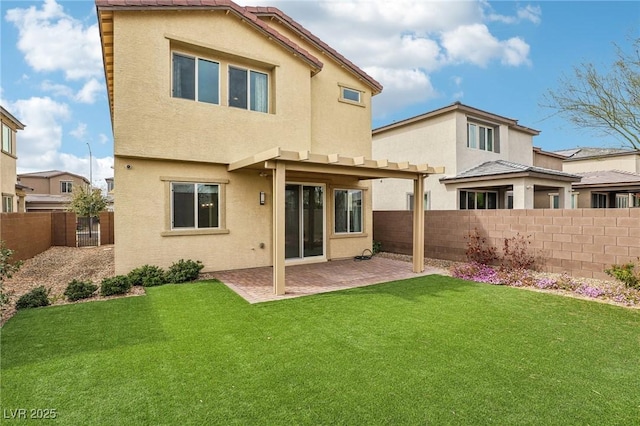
(56, 267)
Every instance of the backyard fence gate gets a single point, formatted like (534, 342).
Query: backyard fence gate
(87, 231)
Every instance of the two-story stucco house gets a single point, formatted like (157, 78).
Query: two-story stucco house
(13, 193)
(488, 161)
(50, 190)
(240, 138)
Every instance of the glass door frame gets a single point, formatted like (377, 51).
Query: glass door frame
(323, 256)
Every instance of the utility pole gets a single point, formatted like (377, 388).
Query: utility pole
(90, 188)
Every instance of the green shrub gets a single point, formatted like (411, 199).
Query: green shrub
(119, 284)
(184, 270)
(37, 297)
(377, 247)
(77, 290)
(626, 273)
(147, 276)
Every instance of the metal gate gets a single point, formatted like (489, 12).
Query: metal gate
(87, 231)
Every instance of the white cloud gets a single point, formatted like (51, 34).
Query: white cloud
(401, 43)
(89, 92)
(40, 141)
(57, 89)
(52, 40)
(103, 139)
(80, 131)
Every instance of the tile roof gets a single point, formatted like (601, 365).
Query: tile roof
(503, 167)
(322, 46)
(250, 14)
(608, 177)
(588, 152)
(211, 5)
(51, 173)
(458, 106)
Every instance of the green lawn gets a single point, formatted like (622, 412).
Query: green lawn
(430, 350)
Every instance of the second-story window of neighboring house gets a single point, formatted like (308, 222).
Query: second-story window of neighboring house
(248, 89)
(481, 137)
(7, 139)
(196, 79)
(66, 187)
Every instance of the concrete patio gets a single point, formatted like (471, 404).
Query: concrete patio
(255, 285)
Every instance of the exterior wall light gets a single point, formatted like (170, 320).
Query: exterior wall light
(262, 198)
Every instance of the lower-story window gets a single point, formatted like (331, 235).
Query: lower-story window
(348, 210)
(478, 200)
(195, 205)
(598, 201)
(7, 204)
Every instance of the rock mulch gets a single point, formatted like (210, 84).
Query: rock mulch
(55, 268)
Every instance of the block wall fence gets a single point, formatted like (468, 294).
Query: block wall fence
(29, 234)
(581, 242)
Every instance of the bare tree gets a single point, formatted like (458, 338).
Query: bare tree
(607, 102)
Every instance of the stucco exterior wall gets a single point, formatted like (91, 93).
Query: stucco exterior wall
(547, 161)
(51, 186)
(627, 163)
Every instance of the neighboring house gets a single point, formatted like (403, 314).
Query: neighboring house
(51, 190)
(488, 161)
(610, 176)
(12, 192)
(253, 146)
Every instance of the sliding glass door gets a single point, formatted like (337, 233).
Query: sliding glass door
(304, 221)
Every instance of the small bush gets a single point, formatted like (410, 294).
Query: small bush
(478, 251)
(628, 273)
(37, 297)
(377, 247)
(147, 276)
(183, 271)
(516, 253)
(119, 284)
(77, 290)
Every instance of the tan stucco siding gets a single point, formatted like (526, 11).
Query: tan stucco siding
(150, 122)
(627, 163)
(39, 185)
(547, 161)
(520, 147)
(143, 227)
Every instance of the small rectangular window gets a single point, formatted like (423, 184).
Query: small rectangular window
(472, 136)
(598, 201)
(195, 205)
(351, 95)
(7, 136)
(481, 200)
(66, 187)
(348, 211)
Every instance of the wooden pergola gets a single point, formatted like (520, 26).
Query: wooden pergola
(279, 162)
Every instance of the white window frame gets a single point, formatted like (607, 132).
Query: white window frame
(249, 71)
(66, 186)
(623, 199)
(508, 195)
(195, 206)
(427, 200)
(7, 133)
(350, 192)
(7, 204)
(475, 143)
(195, 77)
(346, 95)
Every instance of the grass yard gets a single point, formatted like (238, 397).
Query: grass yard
(430, 350)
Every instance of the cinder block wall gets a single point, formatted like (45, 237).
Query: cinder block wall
(582, 242)
(27, 234)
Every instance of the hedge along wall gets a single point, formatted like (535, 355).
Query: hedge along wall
(582, 242)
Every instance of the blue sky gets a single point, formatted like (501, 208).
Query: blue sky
(497, 56)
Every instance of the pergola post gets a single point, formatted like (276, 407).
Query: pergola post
(278, 228)
(418, 224)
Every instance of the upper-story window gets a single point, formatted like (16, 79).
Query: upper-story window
(195, 78)
(248, 89)
(7, 139)
(66, 187)
(351, 96)
(481, 137)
